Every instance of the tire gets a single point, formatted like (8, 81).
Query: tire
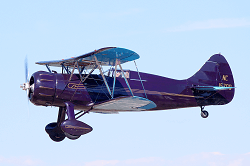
(55, 132)
(204, 114)
(57, 137)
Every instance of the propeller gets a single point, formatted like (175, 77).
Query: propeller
(26, 86)
(26, 69)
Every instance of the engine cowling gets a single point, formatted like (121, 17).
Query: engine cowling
(42, 88)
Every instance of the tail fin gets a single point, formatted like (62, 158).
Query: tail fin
(215, 72)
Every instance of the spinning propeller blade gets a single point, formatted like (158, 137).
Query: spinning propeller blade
(26, 69)
(26, 84)
(26, 74)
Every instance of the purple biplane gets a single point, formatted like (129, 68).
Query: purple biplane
(118, 90)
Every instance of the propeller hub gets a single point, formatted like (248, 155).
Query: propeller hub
(25, 86)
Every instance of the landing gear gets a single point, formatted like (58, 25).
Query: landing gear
(71, 127)
(204, 113)
(54, 129)
(55, 132)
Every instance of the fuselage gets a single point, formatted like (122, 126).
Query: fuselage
(52, 89)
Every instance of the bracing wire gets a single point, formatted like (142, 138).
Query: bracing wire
(140, 79)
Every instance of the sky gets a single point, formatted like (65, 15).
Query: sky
(173, 38)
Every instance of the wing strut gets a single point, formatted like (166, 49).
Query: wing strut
(114, 79)
(66, 69)
(125, 79)
(48, 67)
(79, 70)
(72, 71)
(141, 80)
(103, 77)
(89, 74)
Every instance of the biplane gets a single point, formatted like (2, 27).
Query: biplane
(78, 90)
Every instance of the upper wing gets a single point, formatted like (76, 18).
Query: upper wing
(106, 56)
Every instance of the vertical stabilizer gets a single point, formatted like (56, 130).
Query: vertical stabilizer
(215, 72)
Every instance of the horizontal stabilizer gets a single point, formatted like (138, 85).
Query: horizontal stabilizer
(131, 103)
(212, 88)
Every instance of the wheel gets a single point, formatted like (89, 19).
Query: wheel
(204, 114)
(72, 137)
(55, 132)
(57, 137)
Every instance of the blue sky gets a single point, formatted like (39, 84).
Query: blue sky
(173, 39)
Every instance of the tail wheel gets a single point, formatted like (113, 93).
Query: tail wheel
(204, 114)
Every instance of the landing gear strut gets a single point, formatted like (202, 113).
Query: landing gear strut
(204, 113)
(71, 127)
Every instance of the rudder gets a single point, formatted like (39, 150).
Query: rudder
(215, 72)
